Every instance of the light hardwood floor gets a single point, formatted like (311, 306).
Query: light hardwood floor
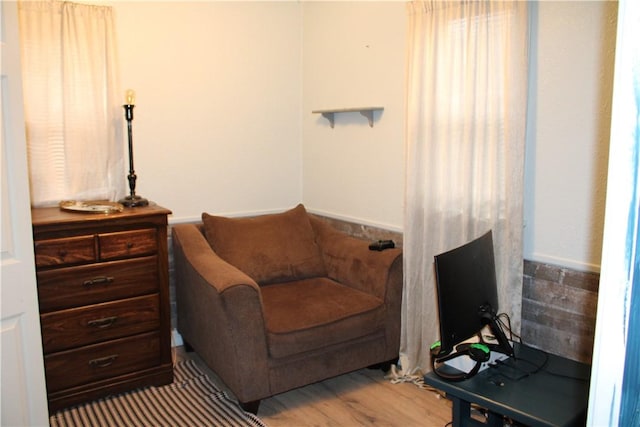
(361, 398)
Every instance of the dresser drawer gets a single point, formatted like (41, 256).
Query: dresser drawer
(81, 326)
(101, 361)
(67, 251)
(127, 244)
(90, 284)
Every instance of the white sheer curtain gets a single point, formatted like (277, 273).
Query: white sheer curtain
(73, 117)
(467, 90)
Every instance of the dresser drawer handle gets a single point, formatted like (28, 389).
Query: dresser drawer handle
(105, 322)
(102, 280)
(103, 362)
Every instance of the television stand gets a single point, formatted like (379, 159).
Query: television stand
(555, 395)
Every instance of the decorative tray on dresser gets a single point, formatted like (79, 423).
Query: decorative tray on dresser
(103, 291)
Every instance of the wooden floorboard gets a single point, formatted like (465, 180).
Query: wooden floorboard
(361, 398)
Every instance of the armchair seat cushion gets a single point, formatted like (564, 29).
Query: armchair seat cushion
(311, 314)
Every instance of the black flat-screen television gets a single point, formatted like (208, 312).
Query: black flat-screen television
(468, 295)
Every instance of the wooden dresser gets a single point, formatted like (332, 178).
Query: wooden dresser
(103, 290)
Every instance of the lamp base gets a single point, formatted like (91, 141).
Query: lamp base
(133, 201)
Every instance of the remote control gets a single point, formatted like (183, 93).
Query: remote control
(381, 245)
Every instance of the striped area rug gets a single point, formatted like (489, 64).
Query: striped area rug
(191, 400)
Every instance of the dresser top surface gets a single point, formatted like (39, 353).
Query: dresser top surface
(55, 215)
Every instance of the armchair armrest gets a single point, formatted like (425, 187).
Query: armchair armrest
(220, 313)
(350, 261)
(192, 247)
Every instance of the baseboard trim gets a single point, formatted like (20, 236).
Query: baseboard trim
(355, 220)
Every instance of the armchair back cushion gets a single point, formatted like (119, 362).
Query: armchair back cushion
(269, 248)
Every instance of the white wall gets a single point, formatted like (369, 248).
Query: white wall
(354, 56)
(223, 120)
(569, 118)
(217, 118)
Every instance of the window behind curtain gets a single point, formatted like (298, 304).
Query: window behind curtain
(466, 115)
(73, 119)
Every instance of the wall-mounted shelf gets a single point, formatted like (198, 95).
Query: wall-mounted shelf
(365, 111)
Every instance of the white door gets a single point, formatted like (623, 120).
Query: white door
(613, 399)
(23, 392)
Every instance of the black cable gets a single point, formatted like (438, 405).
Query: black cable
(504, 322)
(498, 364)
(524, 372)
(571, 377)
(507, 326)
(542, 366)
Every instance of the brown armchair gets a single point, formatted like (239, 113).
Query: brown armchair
(279, 301)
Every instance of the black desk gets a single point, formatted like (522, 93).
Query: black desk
(556, 395)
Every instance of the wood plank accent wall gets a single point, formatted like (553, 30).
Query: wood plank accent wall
(559, 309)
(172, 281)
(365, 232)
